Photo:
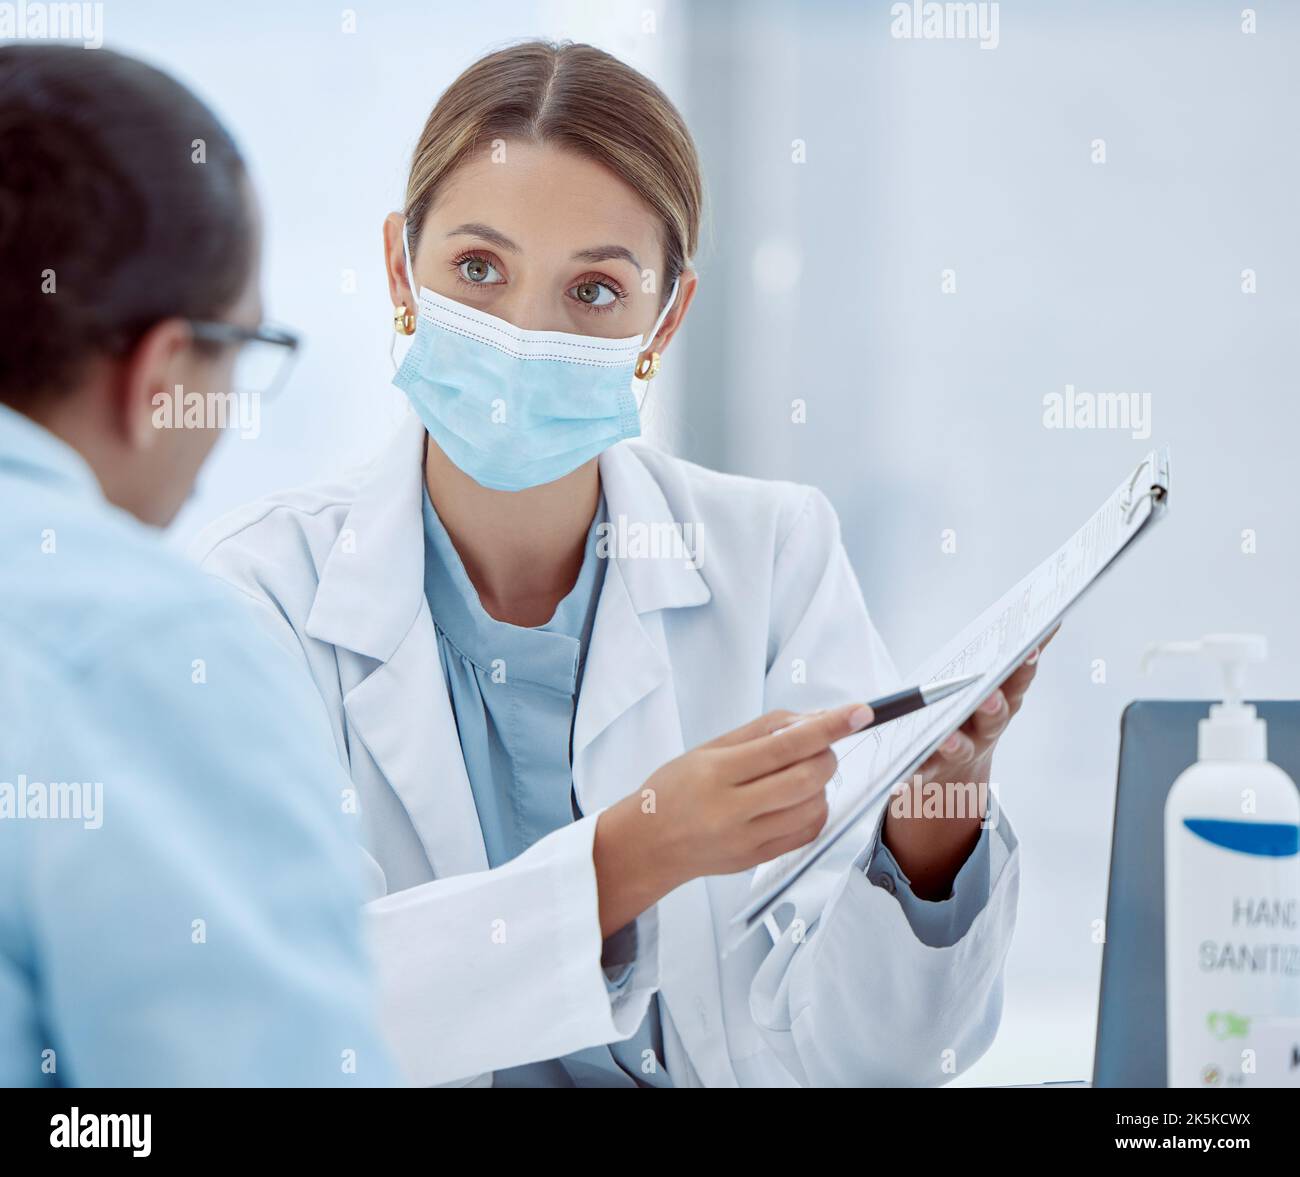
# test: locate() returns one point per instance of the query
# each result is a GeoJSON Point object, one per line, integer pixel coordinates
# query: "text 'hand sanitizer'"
{"type": "Point", "coordinates": [1232, 895]}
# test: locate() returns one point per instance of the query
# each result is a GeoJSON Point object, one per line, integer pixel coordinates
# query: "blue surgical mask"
{"type": "Point", "coordinates": [513, 408]}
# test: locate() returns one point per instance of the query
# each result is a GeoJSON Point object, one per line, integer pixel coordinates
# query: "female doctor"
{"type": "Point", "coordinates": [554, 660]}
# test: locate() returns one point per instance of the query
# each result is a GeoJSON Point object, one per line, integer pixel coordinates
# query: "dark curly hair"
{"type": "Point", "coordinates": [113, 216]}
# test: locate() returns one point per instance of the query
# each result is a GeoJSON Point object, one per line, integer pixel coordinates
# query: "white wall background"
{"type": "Point", "coordinates": [822, 280]}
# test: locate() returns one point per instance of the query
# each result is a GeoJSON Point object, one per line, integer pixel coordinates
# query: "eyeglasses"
{"type": "Point", "coordinates": [266, 354]}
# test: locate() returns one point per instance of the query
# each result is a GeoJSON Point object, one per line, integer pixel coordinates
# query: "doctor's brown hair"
{"type": "Point", "coordinates": [576, 97]}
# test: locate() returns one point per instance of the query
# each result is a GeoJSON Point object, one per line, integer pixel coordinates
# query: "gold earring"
{"type": "Point", "coordinates": [647, 367]}
{"type": "Point", "coordinates": [403, 320]}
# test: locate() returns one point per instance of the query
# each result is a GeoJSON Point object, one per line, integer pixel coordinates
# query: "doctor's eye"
{"type": "Point", "coordinates": [601, 294]}
{"type": "Point", "coordinates": [476, 270]}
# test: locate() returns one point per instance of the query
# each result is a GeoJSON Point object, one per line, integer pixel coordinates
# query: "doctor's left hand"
{"type": "Point", "coordinates": [931, 848]}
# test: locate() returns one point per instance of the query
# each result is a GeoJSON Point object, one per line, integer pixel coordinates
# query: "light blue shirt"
{"type": "Point", "coordinates": [179, 893]}
{"type": "Point", "coordinates": [514, 691]}
{"type": "Point", "coordinates": [939, 923]}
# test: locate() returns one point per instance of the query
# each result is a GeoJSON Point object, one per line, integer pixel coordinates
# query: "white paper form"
{"type": "Point", "coordinates": [992, 646]}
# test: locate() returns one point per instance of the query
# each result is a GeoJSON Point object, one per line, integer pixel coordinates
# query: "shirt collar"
{"type": "Point", "coordinates": [546, 655]}
{"type": "Point", "coordinates": [30, 451]}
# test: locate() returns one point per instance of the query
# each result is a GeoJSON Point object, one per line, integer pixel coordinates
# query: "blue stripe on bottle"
{"type": "Point", "coordinates": [1270, 839]}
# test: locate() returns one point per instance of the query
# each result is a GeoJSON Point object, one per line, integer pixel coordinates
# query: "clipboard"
{"type": "Point", "coordinates": [992, 646]}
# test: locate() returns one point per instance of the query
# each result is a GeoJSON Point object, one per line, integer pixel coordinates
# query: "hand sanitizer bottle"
{"type": "Point", "coordinates": [1232, 891]}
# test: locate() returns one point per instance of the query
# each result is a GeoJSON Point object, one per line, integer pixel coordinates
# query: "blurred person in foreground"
{"type": "Point", "coordinates": [169, 798]}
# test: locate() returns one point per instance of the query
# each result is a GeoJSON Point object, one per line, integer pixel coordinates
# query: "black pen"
{"type": "Point", "coordinates": [902, 703]}
{"type": "Point", "coordinates": [914, 698]}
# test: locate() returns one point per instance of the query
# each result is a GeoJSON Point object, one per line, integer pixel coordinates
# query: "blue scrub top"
{"type": "Point", "coordinates": [514, 691]}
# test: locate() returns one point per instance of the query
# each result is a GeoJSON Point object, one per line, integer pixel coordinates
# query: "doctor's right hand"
{"type": "Point", "coordinates": [744, 798]}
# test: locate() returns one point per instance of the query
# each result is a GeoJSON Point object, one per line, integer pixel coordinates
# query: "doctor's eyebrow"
{"type": "Point", "coordinates": [597, 253]}
{"type": "Point", "coordinates": [475, 229]}
{"type": "Point", "coordinates": [603, 253]}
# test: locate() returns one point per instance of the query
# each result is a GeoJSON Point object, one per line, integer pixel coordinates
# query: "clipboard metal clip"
{"type": "Point", "coordinates": [1156, 492]}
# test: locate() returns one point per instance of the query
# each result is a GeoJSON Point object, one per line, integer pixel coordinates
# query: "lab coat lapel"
{"type": "Point", "coordinates": [628, 660]}
{"type": "Point", "coordinates": [627, 726]}
{"type": "Point", "coordinates": [625, 666]}
{"type": "Point", "coordinates": [371, 600]}
{"type": "Point", "coordinates": [403, 715]}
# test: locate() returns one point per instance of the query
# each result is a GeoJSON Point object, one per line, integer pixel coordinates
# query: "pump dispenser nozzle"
{"type": "Point", "coordinates": [1232, 731]}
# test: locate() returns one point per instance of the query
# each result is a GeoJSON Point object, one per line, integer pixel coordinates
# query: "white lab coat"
{"type": "Point", "coordinates": [482, 969]}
